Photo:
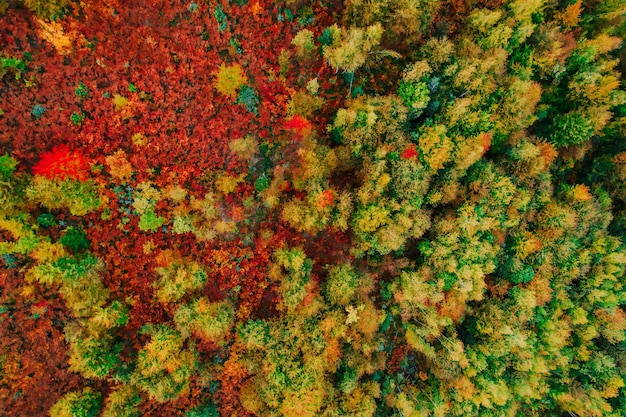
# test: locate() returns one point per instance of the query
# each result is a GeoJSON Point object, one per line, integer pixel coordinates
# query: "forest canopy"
{"type": "Point", "coordinates": [301, 208]}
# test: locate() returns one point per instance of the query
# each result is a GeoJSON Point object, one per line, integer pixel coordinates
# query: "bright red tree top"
{"type": "Point", "coordinates": [62, 163]}
{"type": "Point", "coordinates": [298, 123]}
{"type": "Point", "coordinates": [409, 152]}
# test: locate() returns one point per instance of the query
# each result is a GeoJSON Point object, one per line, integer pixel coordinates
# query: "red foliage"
{"type": "Point", "coordinates": [410, 152]}
{"type": "Point", "coordinates": [35, 372]}
{"type": "Point", "coordinates": [62, 163]}
{"type": "Point", "coordinates": [299, 124]}
{"type": "Point", "coordinates": [185, 129]}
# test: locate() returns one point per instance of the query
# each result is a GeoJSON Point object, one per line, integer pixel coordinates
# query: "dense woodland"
{"type": "Point", "coordinates": [312, 208]}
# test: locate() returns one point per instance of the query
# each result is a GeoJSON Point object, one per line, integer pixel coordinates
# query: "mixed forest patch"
{"type": "Point", "coordinates": [312, 208]}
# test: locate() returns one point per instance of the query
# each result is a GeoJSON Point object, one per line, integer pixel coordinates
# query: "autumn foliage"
{"type": "Point", "coordinates": [62, 163]}
{"type": "Point", "coordinates": [312, 208]}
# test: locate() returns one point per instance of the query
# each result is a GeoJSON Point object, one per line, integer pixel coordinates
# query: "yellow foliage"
{"type": "Point", "coordinates": [303, 403]}
{"type": "Point", "coordinates": [371, 218]}
{"type": "Point", "coordinates": [313, 86]}
{"type": "Point", "coordinates": [178, 277]}
{"type": "Point", "coordinates": [581, 192]}
{"type": "Point", "coordinates": [605, 43]}
{"type": "Point", "coordinates": [304, 104]}
{"type": "Point", "coordinates": [80, 197]}
{"type": "Point", "coordinates": [66, 406]}
{"type": "Point", "coordinates": [207, 206]}
{"type": "Point", "coordinates": [224, 227]}
{"type": "Point", "coordinates": [176, 193]}
{"type": "Point", "coordinates": [227, 184]}
{"type": "Point", "coordinates": [303, 42]}
{"type": "Point", "coordinates": [244, 148]}
{"type": "Point", "coordinates": [416, 71]}
{"type": "Point", "coordinates": [119, 101]}
{"type": "Point", "coordinates": [435, 146]}
{"type": "Point", "coordinates": [48, 252]}
{"type": "Point", "coordinates": [139, 139]}
{"type": "Point", "coordinates": [228, 79]}
{"type": "Point", "coordinates": [211, 321]}
{"type": "Point", "coordinates": [464, 386]}
{"type": "Point", "coordinates": [283, 61]}
{"type": "Point", "coordinates": [351, 47]}
{"type": "Point", "coordinates": [250, 398]}
{"type": "Point", "coordinates": [16, 228]}
{"type": "Point", "coordinates": [121, 402]}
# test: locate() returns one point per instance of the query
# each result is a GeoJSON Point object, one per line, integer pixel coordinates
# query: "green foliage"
{"type": "Point", "coordinates": [38, 111]}
{"type": "Point", "coordinates": [149, 221]}
{"type": "Point", "coordinates": [341, 284]}
{"type": "Point", "coordinates": [205, 410]}
{"type": "Point", "coordinates": [249, 99]}
{"type": "Point", "coordinates": [7, 166]}
{"type": "Point", "coordinates": [74, 239]}
{"type": "Point", "coordinates": [326, 38]}
{"type": "Point", "coordinates": [164, 365]}
{"type": "Point", "coordinates": [220, 17]}
{"type": "Point", "coordinates": [14, 65]}
{"type": "Point", "coordinates": [122, 402]}
{"type": "Point", "coordinates": [77, 119]}
{"type": "Point", "coordinates": [80, 197]}
{"type": "Point", "coordinates": [211, 321]}
{"type": "Point", "coordinates": [293, 269]}
{"type": "Point", "coordinates": [81, 286]}
{"type": "Point", "coordinates": [85, 403]}
{"type": "Point", "coordinates": [414, 95]}
{"type": "Point", "coordinates": [177, 279]}
{"type": "Point", "coordinates": [261, 184]}
{"type": "Point", "coordinates": [570, 129]}
{"type": "Point", "coordinates": [92, 357]}
{"type": "Point", "coordinates": [81, 91]}
{"type": "Point", "coordinates": [255, 334]}
{"type": "Point", "coordinates": [517, 272]}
